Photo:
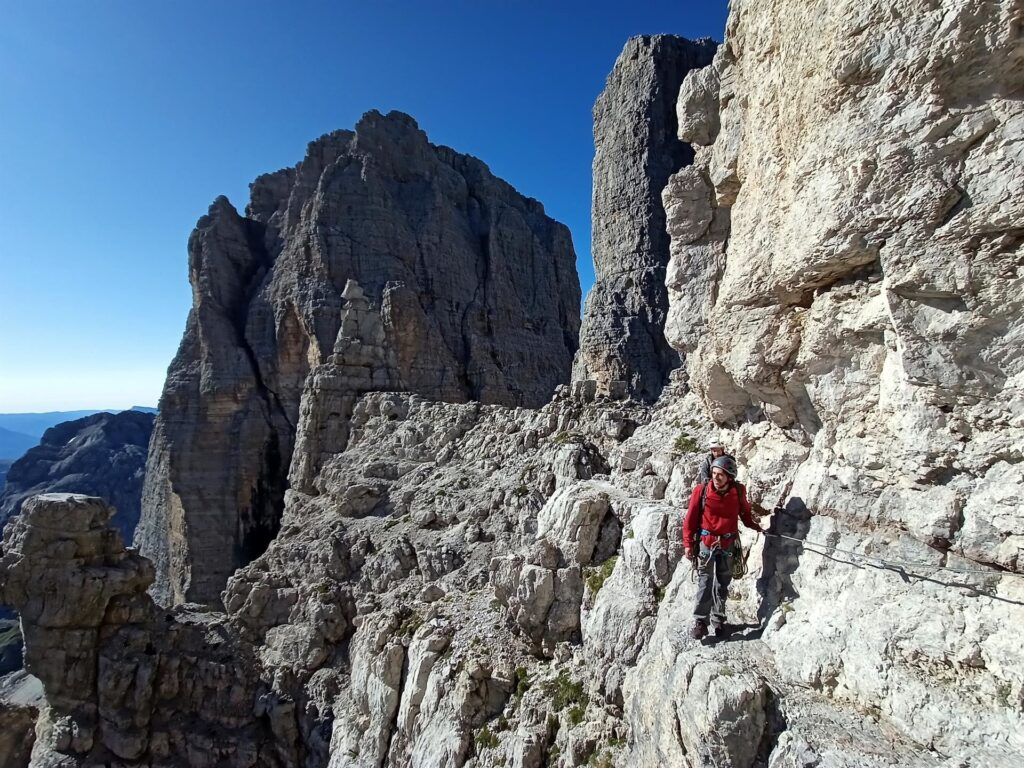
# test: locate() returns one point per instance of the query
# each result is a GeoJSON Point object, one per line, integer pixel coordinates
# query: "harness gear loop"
{"type": "Point", "coordinates": [702, 556]}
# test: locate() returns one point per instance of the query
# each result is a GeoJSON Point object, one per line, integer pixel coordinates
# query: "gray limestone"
{"type": "Point", "coordinates": [464, 584]}
{"type": "Point", "coordinates": [635, 152]}
{"type": "Point", "coordinates": [99, 455]}
{"type": "Point", "coordinates": [462, 289]}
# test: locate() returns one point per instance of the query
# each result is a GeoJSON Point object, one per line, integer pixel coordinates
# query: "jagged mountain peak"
{"type": "Point", "coordinates": [462, 573]}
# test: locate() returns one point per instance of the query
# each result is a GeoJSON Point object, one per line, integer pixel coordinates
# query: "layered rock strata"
{"type": "Point", "coordinates": [482, 586]}
{"type": "Point", "coordinates": [473, 286]}
{"type": "Point", "coordinates": [368, 631]}
{"type": "Point", "coordinates": [124, 682]}
{"type": "Point", "coordinates": [636, 150]}
{"type": "Point", "coordinates": [470, 585]}
{"type": "Point", "coordinates": [857, 219]}
{"type": "Point", "coordinates": [104, 455]}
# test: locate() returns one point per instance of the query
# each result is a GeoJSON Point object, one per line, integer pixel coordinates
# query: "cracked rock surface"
{"type": "Point", "coordinates": [635, 151]}
{"type": "Point", "coordinates": [463, 289]}
{"type": "Point", "coordinates": [468, 582]}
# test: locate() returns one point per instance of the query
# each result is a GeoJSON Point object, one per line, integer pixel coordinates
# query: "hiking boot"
{"type": "Point", "coordinates": [699, 630]}
{"type": "Point", "coordinates": [720, 630]}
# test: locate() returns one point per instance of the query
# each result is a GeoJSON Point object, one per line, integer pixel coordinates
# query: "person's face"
{"type": "Point", "coordinates": [716, 452]}
{"type": "Point", "coordinates": [719, 478]}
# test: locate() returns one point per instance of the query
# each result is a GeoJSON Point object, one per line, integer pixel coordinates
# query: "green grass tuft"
{"type": "Point", "coordinates": [597, 577]}
{"type": "Point", "coordinates": [685, 444]}
{"type": "Point", "coordinates": [566, 692]}
{"type": "Point", "coordinates": [485, 739]}
{"type": "Point", "coordinates": [1003, 691]}
{"type": "Point", "coordinates": [408, 627]}
{"type": "Point", "coordinates": [523, 682]}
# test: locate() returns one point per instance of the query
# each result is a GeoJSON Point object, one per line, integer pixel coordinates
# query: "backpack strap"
{"type": "Point", "coordinates": [740, 490]}
{"type": "Point", "coordinates": [703, 497]}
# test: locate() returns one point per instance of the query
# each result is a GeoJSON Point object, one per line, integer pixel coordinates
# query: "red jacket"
{"type": "Point", "coordinates": [722, 512]}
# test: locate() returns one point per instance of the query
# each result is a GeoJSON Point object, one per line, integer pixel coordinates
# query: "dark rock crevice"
{"type": "Point", "coordinates": [623, 334]}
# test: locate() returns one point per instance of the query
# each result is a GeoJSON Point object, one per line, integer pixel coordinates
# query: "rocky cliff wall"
{"type": "Point", "coordinates": [103, 455]}
{"type": "Point", "coordinates": [477, 298]}
{"type": "Point", "coordinates": [855, 206]}
{"type": "Point", "coordinates": [635, 151]}
{"type": "Point", "coordinates": [484, 586]}
{"type": "Point", "coordinates": [470, 585]}
{"type": "Point", "coordinates": [124, 683]}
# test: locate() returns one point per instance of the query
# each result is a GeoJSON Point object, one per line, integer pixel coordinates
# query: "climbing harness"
{"type": "Point", "coordinates": [738, 557]}
{"type": "Point", "coordinates": [700, 561]}
{"type": "Point", "coordinates": [739, 560]}
{"type": "Point", "coordinates": [733, 545]}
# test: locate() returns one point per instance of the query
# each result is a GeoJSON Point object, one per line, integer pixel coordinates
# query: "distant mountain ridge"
{"type": "Point", "coordinates": [35, 424]}
{"type": "Point", "coordinates": [21, 431]}
{"type": "Point", "coordinates": [13, 443]}
{"type": "Point", "coordinates": [102, 454]}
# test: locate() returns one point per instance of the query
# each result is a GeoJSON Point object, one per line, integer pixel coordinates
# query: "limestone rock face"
{"type": "Point", "coordinates": [99, 455]}
{"type": "Point", "coordinates": [845, 287]}
{"type": "Point", "coordinates": [866, 294]}
{"type": "Point", "coordinates": [118, 675]}
{"type": "Point", "coordinates": [103, 455]}
{"type": "Point", "coordinates": [461, 289]}
{"type": "Point", "coordinates": [472, 585]}
{"type": "Point", "coordinates": [868, 285]}
{"type": "Point", "coordinates": [20, 697]}
{"type": "Point", "coordinates": [636, 150]}
{"type": "Point", "coordinates": [469, 585]}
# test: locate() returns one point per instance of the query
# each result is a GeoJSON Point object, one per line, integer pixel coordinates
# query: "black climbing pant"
{"type": "Point", "coordinates": [714, 574]}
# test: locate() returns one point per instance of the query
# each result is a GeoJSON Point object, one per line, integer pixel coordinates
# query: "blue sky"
{"type": "Point", "coordinates": [122, 121]}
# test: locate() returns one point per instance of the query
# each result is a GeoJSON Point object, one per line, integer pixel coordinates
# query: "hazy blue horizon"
{"type": "Point", "coordinates": [123, 121]}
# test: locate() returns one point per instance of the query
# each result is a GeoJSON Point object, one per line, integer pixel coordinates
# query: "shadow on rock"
{"type": "Point", "coordinates": [782, 558]}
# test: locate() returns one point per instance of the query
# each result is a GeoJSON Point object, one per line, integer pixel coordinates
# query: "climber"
{"type": "Point", "coordinates": [711, 541]}
{"type": "Point", "coordinates": [716, 450]}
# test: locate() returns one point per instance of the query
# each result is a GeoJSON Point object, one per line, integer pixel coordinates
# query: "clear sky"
{"type": "Point", "coordinates": [121, 120]}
